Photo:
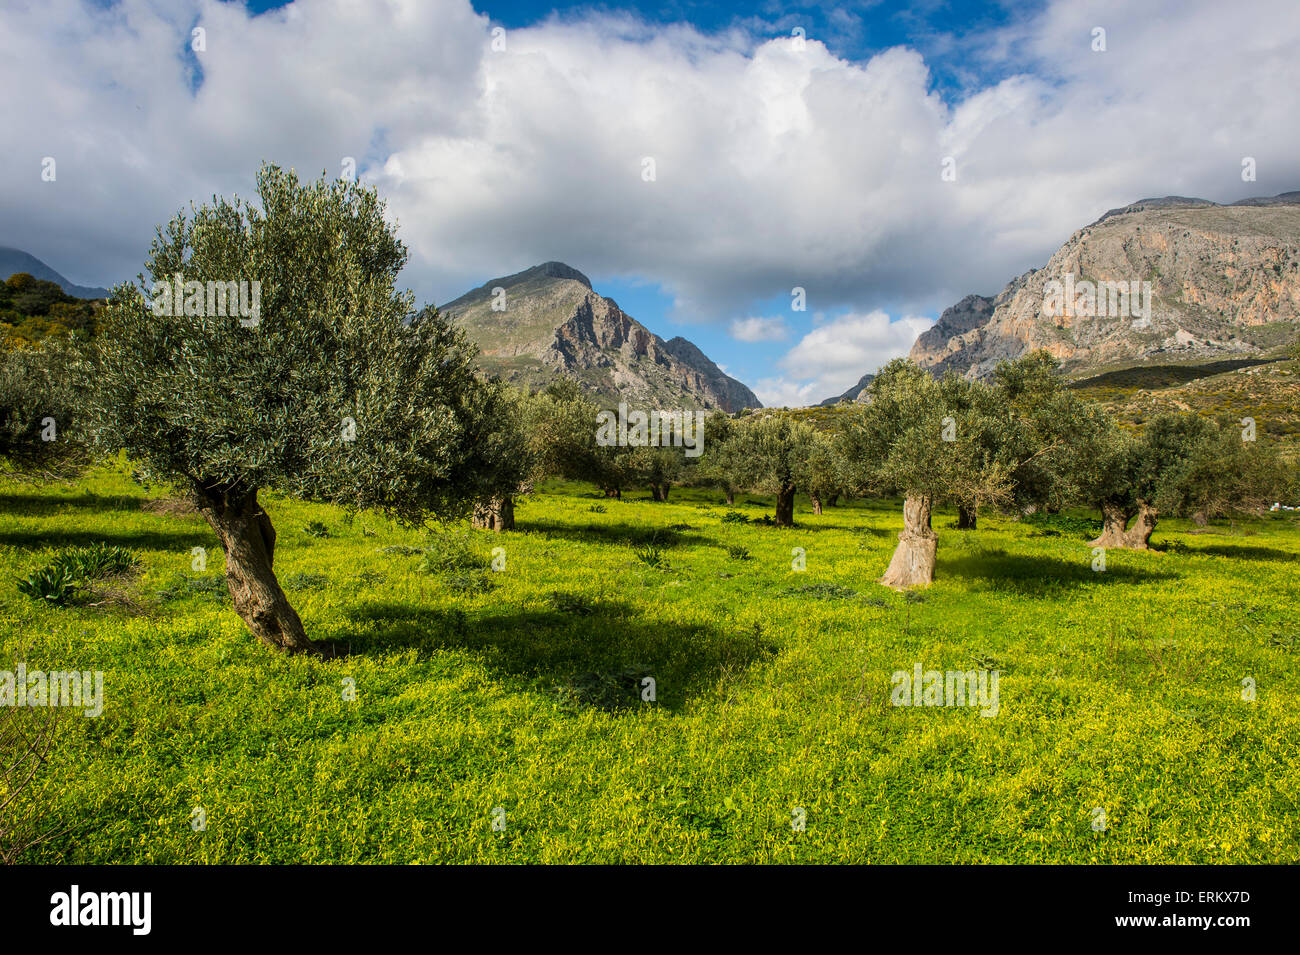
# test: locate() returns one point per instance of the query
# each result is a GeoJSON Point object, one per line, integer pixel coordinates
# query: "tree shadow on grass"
{"type": "Point", "coordinates": [39, 539]}
{"type": "Point", "coordinates": [18, 503]}
{"type": "Point", "coordinates": [622, 533]}
{"type": "Point", "coordinates": [1243, 552]}
{"type": "Point", "coordinates": [595, 659]}
{"type": "Point", "coordinates": [1040, 576]}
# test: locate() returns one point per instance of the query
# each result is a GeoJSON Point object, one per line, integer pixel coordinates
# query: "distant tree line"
{"type": "Point", "coordinates": [33, 310]}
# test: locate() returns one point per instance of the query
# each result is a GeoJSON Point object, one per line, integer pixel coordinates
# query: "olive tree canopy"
{"type": "Point", "coordinates": [314, 380]}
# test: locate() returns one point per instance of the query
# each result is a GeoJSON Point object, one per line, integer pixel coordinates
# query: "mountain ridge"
{"type": "Point", "coordinates": [13, 261]}
{"type": "Point", "coordinates": [1222, 281]}
{"type": "Point", "coordinates": [548, 321]}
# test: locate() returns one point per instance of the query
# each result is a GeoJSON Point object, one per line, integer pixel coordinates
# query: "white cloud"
{"type": "Point", "coordinates": [758, 329]}
{"type": "Point", "coordinates": [774, 168]}
{"type": "Point", "coordinates": [833, 356]}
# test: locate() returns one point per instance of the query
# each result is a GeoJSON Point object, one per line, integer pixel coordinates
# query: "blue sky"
{"type": "Point", "coordinates": [777, 164]}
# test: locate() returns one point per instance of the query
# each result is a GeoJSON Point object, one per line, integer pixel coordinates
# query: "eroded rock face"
{"type": "Point", "coordinates": [1224, 282]}
{"type": "Point", "coordinates": [550, 322]}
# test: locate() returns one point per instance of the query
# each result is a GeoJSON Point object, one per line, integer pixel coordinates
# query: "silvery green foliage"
{"type": "Point", "coordinates": [40, 402]}
{"type": "Point", "coordinates": [770, 453]}
{"type": "Point", "coordinates": [1015, 440]}
{"type": "Point", "coordinates": [332, 396]}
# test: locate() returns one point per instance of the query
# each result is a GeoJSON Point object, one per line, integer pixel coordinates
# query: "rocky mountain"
{"type": "Point", "coordinates": [547, 321]}
{"type": "Point", "coordinates": [13, 261]}
{"type": "Point", "coordinates": [1201, 282]}
{"type": "Point", "coordinates": [853, 394]}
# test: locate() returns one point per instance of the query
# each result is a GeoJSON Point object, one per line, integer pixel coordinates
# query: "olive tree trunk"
{"type": "Point", "coordinates": [913, 562]}
{"type": "Point", "coordinates": [816, 503]}
{"type": "Point", "coordinates": [1138, 536]}
{"type": "Point", "coordinates": [248, 539]}
{"type": "Point", "coordinates": [729, 495]}
{"type": "Point", "coordinates": [832, 500]}
{"type": "Point", "coordinates": [966, 517]}
{"type": "Point", "coordinates": [785, 506]}
{"type": "Point", "coordinates": [1114, 519]}
{"type": "Point", "coordinates": [496, 514]}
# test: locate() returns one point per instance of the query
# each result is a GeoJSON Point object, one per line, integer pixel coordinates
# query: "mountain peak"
{"type": "Point", "coordinates": [530, 278]}
{"type": "Point", "coordinates": [548, 322]}
{"type": "Point", "coordinates": [555, 270]}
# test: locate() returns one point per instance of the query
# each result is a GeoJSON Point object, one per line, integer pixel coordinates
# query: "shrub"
{"type": "Point", "coordinates": [96, 561]}
{"type": "Point", "coordinates": [450, 553]}
{"type": "Point", "coordinates": [75, 567]}
{"type": "Point", "coordinates": [734, 517]}
{"type": "Point", "coordinates": [50, 583]}
{"type": "Point", "coordinates": [316, 529]}
{"type": "Point", "coordinates": [736, 552]}
{"type": "Point", "coordinates": [651, 555]}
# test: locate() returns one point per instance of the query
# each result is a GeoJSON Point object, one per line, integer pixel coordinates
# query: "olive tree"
{"type": "Point", "coordinates": [562, 425]}
{"type": "Point", "coordinates": [1138, 475]}
{"type": "Point", "coordinates": [320, 385]}
{"type": "Point", "coordinates": [1041, 433]}
{"type": "Point", "coordinates": [923, 439]}
{"type": "Point", "coordinates": [657, 467]}
{"type": "Point", "coordinates": [40, 410]}
{"type": "Point", "coordinates": [770, 454]}
{"type": "Point", "coordinates": [825, 471]}
{"type": "Point", "coordinates": [510, 468]}
{"type": "Point", "coordinates": [717, 465]}
{"type": "Point", "coordinates": [1226, 473]}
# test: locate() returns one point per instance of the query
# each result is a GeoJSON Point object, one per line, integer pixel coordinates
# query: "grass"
{"type": "Point", "coordinates": [524, 689]}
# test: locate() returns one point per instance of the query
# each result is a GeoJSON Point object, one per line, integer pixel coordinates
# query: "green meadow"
{"type": "Point", "coordinates": [499, 715]}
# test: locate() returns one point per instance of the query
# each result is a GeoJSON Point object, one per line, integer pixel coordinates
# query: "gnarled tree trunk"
{"type": "Point", "coordinates": [1138, 537]}
{"type": "Point", "coordinates": [1114, 519]}
{"type": "Point", "coordinates": [613, 492]}
{"type": "Point", "coordinates": [247, 537]}
{"type": "Point", "coordinates": [496, 514]}
{"type": "Point", "coordinates": [785, 506]}
{"type": "Point", "coordinates": [832, 499]}
{"type": "Point", "coordinates": [729, 495]}
{"type": "Point", "coordinates": [816, 503]}
{"type": "Point", "coordinates": [966, 517]}
{"type": "Point", "coordinates": [659, 492]}
{"type": "Point", "coordinates": [913, 562]}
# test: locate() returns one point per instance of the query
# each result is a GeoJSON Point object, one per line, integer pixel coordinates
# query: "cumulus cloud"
{"type": "Point", "coordinates": [833, 356]}
{"type": "Point", "coordinates": [758, 329]}
{"type": "Point", "coordinates": [774, 167]}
